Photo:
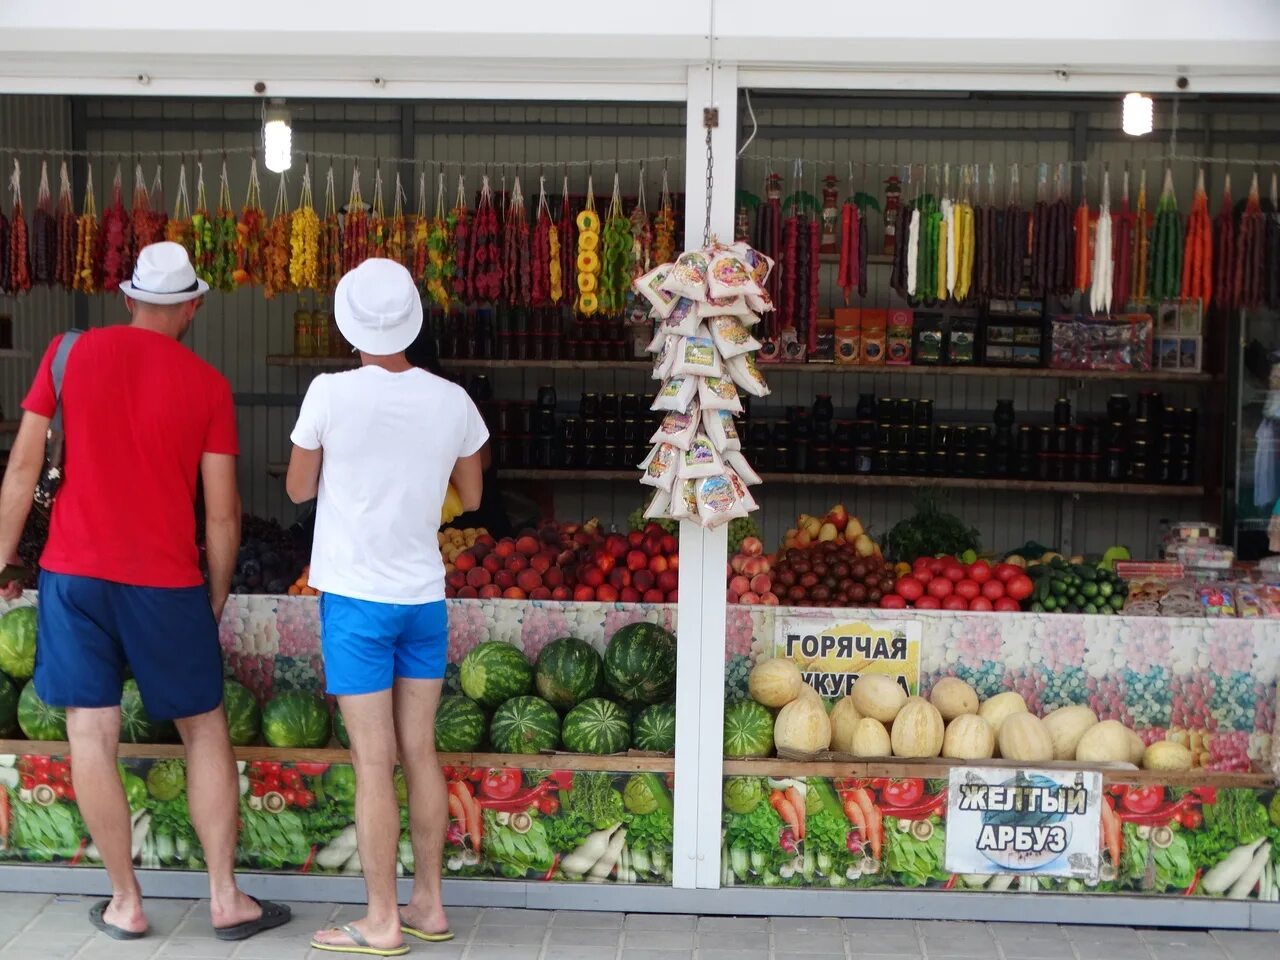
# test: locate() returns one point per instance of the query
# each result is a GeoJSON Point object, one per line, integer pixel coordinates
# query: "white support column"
{"type": "Point", "coordinates": [703, 553]}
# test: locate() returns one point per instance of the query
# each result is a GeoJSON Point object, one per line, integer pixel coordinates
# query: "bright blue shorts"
{"type": "Point", "coordinates": [368, 645]}
{"type": "Point", "coordinates": [91, 631]}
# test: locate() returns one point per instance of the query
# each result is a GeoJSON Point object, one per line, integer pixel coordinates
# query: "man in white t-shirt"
{"type": "Point", "coordinates": [378, 446]}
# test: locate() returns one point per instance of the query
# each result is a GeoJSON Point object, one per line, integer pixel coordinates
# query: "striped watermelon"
{"type": "Point", "coordinates": [655, 728]}
{"type": "Point", "coordinates": [296, 719]}
{"type": "Point", "coordinates": [640, 663]}
{"type": "Point", "coordinates": [38, 720]}
{"type": "Point", "coordinates": [340, 729]}
{"type": "Point", "coordinates": [525, 725]}
{"type": "Point", "coordinates": [135, 725]}
{"type": "Point", "coordinates": [597, 726]}
{"type": "Point", "coordinates": [567, 672]}
{"type": "Point", "coordinates": [748, 730]}
{"type": "Point", "coordinates": [494, 672]}
{"type": "Point", "coordinates": [459, 725]}
{"type": "Point", "coordinates": [244, 716]}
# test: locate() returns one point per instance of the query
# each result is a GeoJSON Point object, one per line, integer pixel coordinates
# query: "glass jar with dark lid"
{"type": "Point", "coordinates": [924, 413]}
{"type": "Point", "coordinates": [1186, 420]}
{"type": "Point", "coordinates": [1003, 415]}
{"type": "Point", "coordinates": [866, 408]}
{"type": "Point", "coordinates": [1026, 439]}
{"type": "Point", "coordinates": [1165, 471]}
{"type": "Point", "coordinates": [884, 409]}
{"type": "Point", "coordinates": [863, 460]}
{"type": "Point", "coordinates": [779, 433]}
{"type": "Point", "coordinates": [479, 388]}
{"type": "Point", "coordinates": [820, 460]}
{"type": "Point", "coordinates": [546, 397]}
{"type": "Point", "coordinates": [899, 436]}
{"type": "Point", "coordinates": [843, 459]}
{"type": "Point", "coordinates": [900, 463]}
{"type": "Point", "coordinates": [958, 463]}
{"type": "Point", "coordinates": [610, 406]}
{"type": "Point", "coordinates": [1061, 412]}
{"type": "Point", "coordinates": [1115, 469]}
{"type": "Point", "coordinates": [1138, 471]}
{"type": "Point", "coordinates": [866, 432]}
{"type": "Point", "coordinates": [589, 406]}
{"type": "Point", "coordinates": [980, 464]}
{"type": "Point", "coordinates": [980, 438]}
{"type": "Point", "coordinates": [1117, 407]}
{"type": "Point", "coordinates": [904, 410]}
{"type": "Point", "coordinates": [610, 431]}
{"type": "Point", "coordinates": [921, 436]}
{"type": "Point", "coordinates": [823, 408]}
{"type": "Point", "coordinates": [1062, 439]}
{"type": "Point", "coordinates": [959, 438]}
{"type": "Point", "coordinates": [880, 462]}
{"type": "Point", "coordinates": [630, 406]}
{"type": "Point", "coordinates": [1182, 471]}
{"type": "Point", "coordinates": [782, 458]}
{"type": "Point", "coordinates": [943, 437]}
{"type": "Point", "coordinates": [1045, 440]}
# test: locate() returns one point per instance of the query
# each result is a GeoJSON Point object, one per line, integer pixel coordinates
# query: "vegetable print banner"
{"type": "Point", "coordinates": [300, 818]}
{"type": "Point", "coordinates": [839, 833]}
{"type": "Point", "coordinates": [832, 654]}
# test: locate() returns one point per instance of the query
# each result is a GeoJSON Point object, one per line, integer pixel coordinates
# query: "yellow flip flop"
{"type": "Point", "coordinates": [359, 945]}
{"type": "Point", "coordinates": [426, 937]}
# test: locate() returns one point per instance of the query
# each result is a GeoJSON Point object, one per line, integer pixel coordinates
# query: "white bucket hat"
{"type": "Point", "coordinates": [163, 274]}
{"type": "Point", "coordinates": [377, 308]}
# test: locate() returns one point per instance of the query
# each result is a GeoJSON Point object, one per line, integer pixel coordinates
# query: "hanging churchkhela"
{"type": "Point", "coordinates": [65, 266]}
{"type": "Point", "coordinates": [1122, 245]}
{"type": "Point", "coordinates": [44, 230]}
{"type": "Point", "coordinates": [251, 234]}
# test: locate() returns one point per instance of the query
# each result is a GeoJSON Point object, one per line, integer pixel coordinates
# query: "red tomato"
{"type": "Point", "coordinates": [954, 602]}
{"type": "Point", "coordinates": [1004, 572]}
{"type": "Point", "coordinates": [903, 793]}
{"type": "Point", "coordinates": [1019, 587]}
{"type": "Point", "coordinates": [981, 603]}
{"type": "Point", "coordinates": [993, 590]}
{"type": "Point", "coordinates": [500, 784]}
{"type": "Point", "coordinates": [980, 571]}
{"type": "Point", "coordinates": [928, 602]}
{"type": "Point", "coordinates": [935, 567]}
{"type": "Point", "coordinates": [892, 601]}
{"type": "Point", "coordinates": [1008, 605]}
{"type": "Point", "coordinates": [947, 558]}
{"type": "Point", "coordinates": [940, 587]}
{"type": "Point", "coordinates": [953, 572]}
{"type": "Point", "coordinates": [924, 576]}
{"type": "Point", "coordinates": [1191, 819]}
{"type": "Point", "coordinates": [921, 563]}
{"type": "Point", "coordinates": [968, 589]}
{"type": "Point", "coordinates": [909, 588]}
{"type": "Point", "coordinates": [1143, 799]}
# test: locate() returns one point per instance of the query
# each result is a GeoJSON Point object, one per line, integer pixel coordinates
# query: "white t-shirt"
{"type": "Point", "coordinates": [390, 443]}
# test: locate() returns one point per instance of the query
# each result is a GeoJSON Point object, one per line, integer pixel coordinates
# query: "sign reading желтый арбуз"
{"type": "Point", "coordinates": [832, 654]}
{"type": "Point", "coordinates": [1009, 820]}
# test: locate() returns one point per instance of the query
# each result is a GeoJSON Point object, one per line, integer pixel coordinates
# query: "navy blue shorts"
{"type": "Point", "coordinates": [91, 630]}
{"type": "Point", "coordinates": [368, 645]}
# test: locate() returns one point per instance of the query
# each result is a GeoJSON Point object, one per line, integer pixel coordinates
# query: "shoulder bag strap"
{"type": "Point", "coordinates": [59, 369]}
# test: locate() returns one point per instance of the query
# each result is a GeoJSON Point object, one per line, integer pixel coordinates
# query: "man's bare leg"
{"type": "Point", "coordinates": [371, 727]}
{"type": "Point", "coordinates": [213, 794]}
{"type": "Point", "coordinates": [415, 710]}
{"type": "Point", "coordinates": [94, 733]}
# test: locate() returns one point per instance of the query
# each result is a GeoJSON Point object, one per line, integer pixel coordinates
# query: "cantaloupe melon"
{"type": "Point", "coordinates": [1066, 726]}
{"type": "Point", "coordinates": [802, 726]}
{"type": "Point", "coordinates": [953, 697]}
{"type": "Point", "coordinates": [1024, 738]}
{"type": "Point", "coordinates": [844, 720]}
{"type": "Point", "coordinates": [1105, 742]}
{"type": "Point", "coordinates": [870, 739]}
{"type": "Point", "coordinates": [878, 696]}
{"type": "Point", "coordinates": [918, 729]}
{"type": "Point", "coordinates": [968, 737]}
{"type": "Point", "coordinates": [775, 682]}
{"type": "Point", "coordinates": [1002, 705]}
{"type": "Point", "coordinates": [1167, 755]}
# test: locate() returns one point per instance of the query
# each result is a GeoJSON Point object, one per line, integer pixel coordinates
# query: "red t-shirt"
{"type": "Point", "coordinates": [138, 410]}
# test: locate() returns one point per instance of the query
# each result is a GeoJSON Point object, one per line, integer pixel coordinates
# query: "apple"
{"type": "Point", "coordinates": [637, 560]}
{"type": "Point", "coordinates": [838, 517]}
{"type": "Point", "coordinates": [752, 546]}
{"type": "Point", "coordinates": [583, 593]}
{"type": "Point", "coordinates": [561, 593]}
{"type": "Point", "coordinates": [661, 564]}
{"type": "Point", "coordinates": [593, 577]}
{"type": "Point", "coordinates": [653, 596]}
{"type": "Point", "coordinates": [607, 593]}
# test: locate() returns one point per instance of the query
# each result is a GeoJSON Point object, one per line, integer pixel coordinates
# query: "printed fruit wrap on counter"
{"type": "Point", "coordinates": [704, 306]}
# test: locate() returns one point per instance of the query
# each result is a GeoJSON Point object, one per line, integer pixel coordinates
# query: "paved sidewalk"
{"type": "Point", "coordinates": [39, 927]}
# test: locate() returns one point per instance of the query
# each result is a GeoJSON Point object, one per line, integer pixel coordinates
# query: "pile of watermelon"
{"type": "Point", "coordinates": [570, 698]}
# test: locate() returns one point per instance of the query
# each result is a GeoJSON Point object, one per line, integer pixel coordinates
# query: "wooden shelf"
{"type": "Point", "coordinates": [866, 480]}
{"type": "Point", "coordinates": [617, 763]}
{"type": "Point", "coordinates": [998, 373]}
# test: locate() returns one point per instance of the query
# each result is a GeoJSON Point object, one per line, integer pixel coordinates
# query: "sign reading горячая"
{"type": "Point", "coordinates": [832, 655]}
{"type": "Point", "coordinates": [1008, 820]}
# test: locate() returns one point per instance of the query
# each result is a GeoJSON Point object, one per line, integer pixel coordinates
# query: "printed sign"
{"type": "Point", "coordinates": [833, 654]}
{"type": "Point", "coordinates": [1043, 822]}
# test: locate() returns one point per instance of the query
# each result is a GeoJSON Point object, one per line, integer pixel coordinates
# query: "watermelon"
{"type": "Point", "coordinates": [8, 707]}
{"type": "Point", "coordinates": [296, 719]}
{"type": "Point", "coordinates": [655, 728]}
{"type": "Point", "coordinates": [244, 716]}
{"type": "Point", "coordinates": [748, 730]}
{"type": "Point", "coordinates": [38, 720]}
{"type": "Point", "coordinates": [459, 725]}
{"type": "Point", "coordinates": [567, 672]}
{"type": "Point", "coordinates": [18, 643]}
{"type": "Point", "coordinates": [340, 729]}
{"type": "Point", "coordinates": [525, 725]}
{"type": "Point", "coordinates": [494, 672]}
{"type": "Point", "coordinates": [597, 725]}
{"type": "Point", "coordinates": [135, 725]}
{"type": "Point", "coordinates": [640, 663]}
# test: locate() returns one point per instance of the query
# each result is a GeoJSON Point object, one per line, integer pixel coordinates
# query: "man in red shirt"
{"type": "Point", "coordinates": [145, 419]}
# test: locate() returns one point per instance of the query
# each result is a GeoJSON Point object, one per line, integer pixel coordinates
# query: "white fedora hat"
{"type": "Point", "coordinates": [377, 308]}
{"type": "Point", "coordinates": [163, 274]}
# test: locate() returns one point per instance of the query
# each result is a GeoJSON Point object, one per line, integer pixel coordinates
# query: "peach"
{"type": "Point", "coordinates": [653, 596]}
{"type": "Point", "coordinates": [669, 544]}
{"type": "Point", "coordinates": [514, 593]}
{"type": "Point", "coordinates": [749, 598]}
{"type": "Point", "coordinates": [505, 548]}
{"type": "Point", "coordinates": [752, 546]}
{"type": "Point", "coordinates": [619, 577]}
{"type": "Point", "coordinates": [630, 595]}
{"type": "Point", "coordinates": [668, 581]}
{"type": "Point", "coordinates": [592, 577]}
{"type": "Point", "coordinates": [582, 593]}
{"type": "Point", "coordinates": [738, 563]}
{"type": "Point", "coordinates": [635, 538]}
{"type": "Point", "coordinates": [740, 585]}
{"type": "Point", "coordinates": [477, 577]}
{"type": "Point", "coordinates": [465, 561]}
{"type": "Point", "coordinates": [504, 579]}
{"type": "Point", "coordinates": [541, 561]}
{"type": "Point", "coordinates": [561, 593]}
{"type": "Point", "coordinates": [527, 545]}
{"type": "Point", "coordinates": [607, 593]}
{"type": "Point", "coordinates": [529, 581]}
{"type": "Point", "coordinates": [658, 564]}
{"type": "Point", "coordinates": [467, 593]}
{"type": "Point", "coordinates": [637, 560]}
{"type": "Point", "coordinates": [761, 584]}
{"type": "Point", "coordinates": [492, 562]}
{"type": "Point", "coordinates": [616, 546]}
{"type": "Point", "coordinates": [769, 600]}
{"type": "Point", "coordinates": [553, 577]}
{"type": "Point", "coordinates": [643, 580]}
{"type": "Point", "coordinates": [517, 562]}
{"type": "Point", "coordinates": [456, 579]}
{"type": "Point", "coordinates": [539, 593]}
{"type": "Point", "coordinates": [490, 591]}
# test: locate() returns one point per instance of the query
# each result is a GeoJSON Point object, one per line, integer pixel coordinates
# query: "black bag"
{"type": "Point", "coordinates": [51, 476]}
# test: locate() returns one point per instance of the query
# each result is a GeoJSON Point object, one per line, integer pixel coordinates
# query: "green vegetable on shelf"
{"type": "Point", "coordinates": [930, 532]}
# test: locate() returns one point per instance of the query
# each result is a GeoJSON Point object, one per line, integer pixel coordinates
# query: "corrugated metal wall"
{"type": "Point", "coordinates": [237, 331]}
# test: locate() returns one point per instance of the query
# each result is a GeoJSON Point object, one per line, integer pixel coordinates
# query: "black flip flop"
{"type": "Point", "coordinates": [110, 929]}
{"type": "Point", "coordinates": [273, 915]}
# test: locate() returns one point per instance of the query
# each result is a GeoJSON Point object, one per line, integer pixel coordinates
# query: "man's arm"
{"type": "Point", "coordinates": [26, 461]}
{"type": "Point", "coordinates": [302, 482]}
{"type": "Point", "coordinates": [468, 479]}
{"type": "Point", "coordinates": [221, 525]}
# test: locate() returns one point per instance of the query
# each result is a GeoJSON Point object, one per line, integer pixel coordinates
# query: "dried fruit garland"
{"type": "Point", "coordinates": [19, 240]}
{"type": "Point", "coordinates": [44, 229]}
{"type": "Point", "coordinates": [615, 270]}
{"type": "Point", "coordinates": [87, 277]}
{"type": "Point", "coordinates": [148, 221]}
{"type": "Point", "coordinates": [355, 229]}
{"type": "Point", "coordinates": [224, 238]}
{"type": "Point", "coordinates": [65, 257]}
{"type": "Point", "coordinates": [439, 250]}
{"type": "Point", "coordinates": [4, 253]}
{"type": "Point", "coordinates": [117, 239]}
{"type": "Point", "coordinates": [329, 268]}
{"type": "Point", "coordinates": [377, 220]}
{"type": "Point", "coordinates": [542, 264]}
{"type": "Point", "coordinates": [517, 270]}
{"type": "Point", "coordinates": [202, 235]}
{"type": "Point", "coordinates": [588, 260]}
{"type": "Point", "coordinates": [304, 240]}
{"type": "Point", "coordinates": [1166, 245]}
{"type": "Point", "coordinates": [251, 234]}
{"type": "Point", "coordinates": [1197, 262]}
{"type": "Point", "coordinates": [641, 235]}
{"type": "Point", "coordinates": [1141, 244]}
{"type": "Point", "coordinates": [399, 247]}
{"type": "Point", "coordinates": [486, 254]}
{"type": "Point", "coordinates": [179, 229]}
{"type": "Point", "coordinates": [276, 269]}
{"type": "Point", "coordinates": [463, 269]}
{"type": "Point", "coordinates": [564, 281]}
{"type": "Point", "coordinates": [664, 227]}
{"type": "Point", "coordinates": [1250, 252]}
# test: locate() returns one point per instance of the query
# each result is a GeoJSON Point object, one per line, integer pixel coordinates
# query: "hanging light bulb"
{"type": "Point", "coordinates": [277, 137]}
{"type": "Point", "coordinates": [1138, 114]}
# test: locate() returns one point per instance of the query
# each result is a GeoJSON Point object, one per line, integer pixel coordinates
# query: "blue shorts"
{"type": "Point", "coordinates": [368, 645]}
{"type": "Point", "coordinates": [90, 631]}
